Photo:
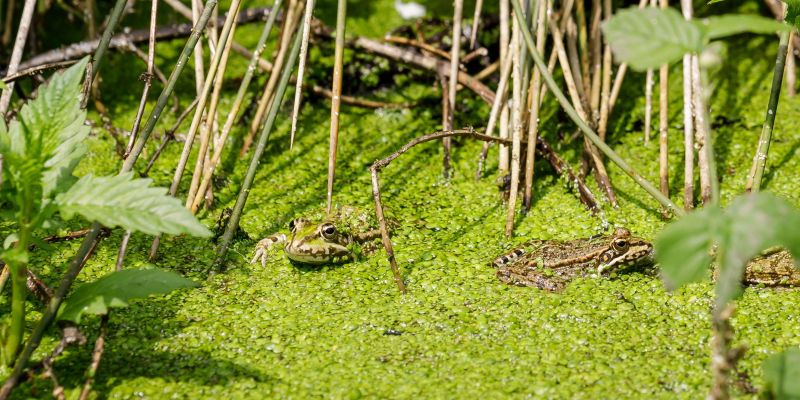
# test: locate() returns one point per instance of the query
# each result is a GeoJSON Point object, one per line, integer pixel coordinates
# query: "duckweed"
{"type": "Point", "coordinates": [344, 331]}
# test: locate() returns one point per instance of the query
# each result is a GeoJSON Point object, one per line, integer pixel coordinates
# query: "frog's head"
{"type": "Point", "coordinates": [623, 250]}
{"type": "Point", "coordinates": [318, 242]}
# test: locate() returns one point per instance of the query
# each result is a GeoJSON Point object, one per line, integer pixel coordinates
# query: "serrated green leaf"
{"type": "Point", "coordinates": [42, 146]}
{"type": "Point", "coordinates": [682, 248]}
{"type": "Point", "coordinates": [132, 204]}
{"type": "Point", "coordinates": [732, 24]}
{"type": "Point", "coordinates": [646, 38]}
{"type": "Point", "coordinates": [780, 373]}
{"type": "Point", "coordinates": [116, 289]}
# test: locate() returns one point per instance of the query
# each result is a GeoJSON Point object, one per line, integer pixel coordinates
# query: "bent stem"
{"type": "Point", "coordinates": [376, 191]}
{"type": "Point", "coordinates": [19, 290]}
{"type": "Point", "coordinates": [760, 159]}
{"type": "Point", "coordinates": [611, 154]}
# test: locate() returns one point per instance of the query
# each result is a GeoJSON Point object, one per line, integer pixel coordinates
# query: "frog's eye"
{"type": "Point", "coordinates": [328, 230]}
{"type": "Point", "coordinates": [620, 244]}
{"type": "Point", "coordinates": [291, 225]}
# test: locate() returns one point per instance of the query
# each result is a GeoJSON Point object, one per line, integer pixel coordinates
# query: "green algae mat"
{"type": "Point", "coordinates": [287, 331]}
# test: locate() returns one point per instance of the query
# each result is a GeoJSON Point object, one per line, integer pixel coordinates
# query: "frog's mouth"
{"type": "Point", "coordinates": [330, 254]}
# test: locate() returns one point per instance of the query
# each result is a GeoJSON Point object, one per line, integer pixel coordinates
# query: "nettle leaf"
{"type": "Point", "coordinates": [646, 38]}
{"type": "Point", "coordinates": [56, 108]}
{"type": "Point", "coordinates": [683, 247]}
{"type": "Point", "coordinates": [726, 25]}
{"type": "Point", "coordinates": [42, 146]}
{"type": "Point", "coordinates": [129, 203]}
{"type": "Point", "coordinates": [755, 222]}
{"type": "Point", "coordinates": [116, 289]}
{"type": "Point", "coordinates": [780, 373]}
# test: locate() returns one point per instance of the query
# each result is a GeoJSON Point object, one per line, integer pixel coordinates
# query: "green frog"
{"type": "Point", "coordinates": [320, 238]}
{"type": "Point", "coordinates": [552, 264]}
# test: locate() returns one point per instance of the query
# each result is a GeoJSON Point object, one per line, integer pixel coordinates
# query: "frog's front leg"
{"type": "Point", "coordinates": [264, 245]}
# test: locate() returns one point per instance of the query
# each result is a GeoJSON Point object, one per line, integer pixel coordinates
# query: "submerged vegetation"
{"type": "Point", "coordinates": [453, 329]}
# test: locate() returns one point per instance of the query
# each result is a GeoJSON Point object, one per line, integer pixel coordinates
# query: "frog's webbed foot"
{"type": "Point", "coordinates": [263, 246]}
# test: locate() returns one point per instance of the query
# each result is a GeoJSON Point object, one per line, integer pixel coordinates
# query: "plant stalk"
{"type": "Point", "coordinates": [237, 103]}
{"type": "Point", "coordinates": [16, 53]}
{"type": "Point", "coordinates": [760, 159]}
{"type": "Point", "coordinates": [336, 89]}
{"type": "Point", "coordinates": [19, 291]}
{"type": "Point", "coordinates": [233, 223]}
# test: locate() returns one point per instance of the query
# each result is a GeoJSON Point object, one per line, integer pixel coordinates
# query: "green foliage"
{"type": "Point", "coordinates": [793, 13]}
{"type": "Point", "coordinates": [3, 85]}
{"type": "Point", "coordinates": [683, 247]}
{"type": "Point", "coordinates": [649, 37]}
{"type": "Point", "coordinates": [646, 38]}
{"type": "Point", "coordinates": [781, 372]}
{"type": "Point", "coordinates": [129, 203]}
{"type": "Point", "coordinates": [751, 224]}
{"type": "Point", "coordinates": [721, 26]}
{"type": "Point", "coordinates": [116, 289]}
{"type": "Point", "coordinates": [41, 149]}
{"type": "Point", "coordinates": [42, 146]}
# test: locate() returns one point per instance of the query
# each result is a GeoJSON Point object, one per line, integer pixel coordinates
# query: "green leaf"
{"type": "Point", "coordinates": [116, 289]}
{"type": "Point", "coordinates": [682, 248]}
{"type": "Point", "coordinates": [131, 204]}
{"type": "Point", "coordinates": [42, 146]}
{"type": "Point", "coordinates": [780, 373]}
{"type": "Point", "coordinates": [732, 24]}
{"type": "Point", "coordinates": [793, 13]}
{"type": "Point", "coordinates": [646, 38]}
{"type": "Point", "coordinates": [3, 85]}
{"type": "Point", "coordinates": [756, 222]}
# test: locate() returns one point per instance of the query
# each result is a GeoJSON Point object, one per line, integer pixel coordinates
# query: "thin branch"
{"type": "Point", "coordinates": [688, 120]}
{"type": "Point", "coordinates": [168, 136]}
{"type": "Point", "coordinates": [791, 70]}
{"type": "Point", "coordinates": [498, 104]}
{"type": "Point", "coordinates": [455, 54]}
{"type": "Point", "coordinates": [533, 118]}
{"type": "Point", "coordinates": [77, 50]}
{"type": "Point", "coordinates": [516, 125]}
{"type": "Point", "coordinates": [760, 158]}
{"type": "Point", "coordinates": [292, 17]}
{"type": "Point", "coordinates": [338, 61]}
{"type": "Point", "coordinates": [301, 68]}
{"type": "Point", "coordinates": [97, 354]}
{"type": "Point", "coordinates": [244, 192]}
{"type": "Point", "coordinates": [565, 104]}
{"type": "Point", "coordinates": [663, 124]}
{"type": "Point", "coordinates": [16, 53]}
{"type": "Point", "coordinates": [237, 103]}
{"type": "Point", "coordinates": [111, 25]}
{"type": "Point", "coordinates": [476, 19]}
{"type": "Point", "coordinates": [418, 44]}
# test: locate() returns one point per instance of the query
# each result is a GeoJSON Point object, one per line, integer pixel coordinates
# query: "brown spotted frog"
{"type": "Point", "coordinates": [552, 264]}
